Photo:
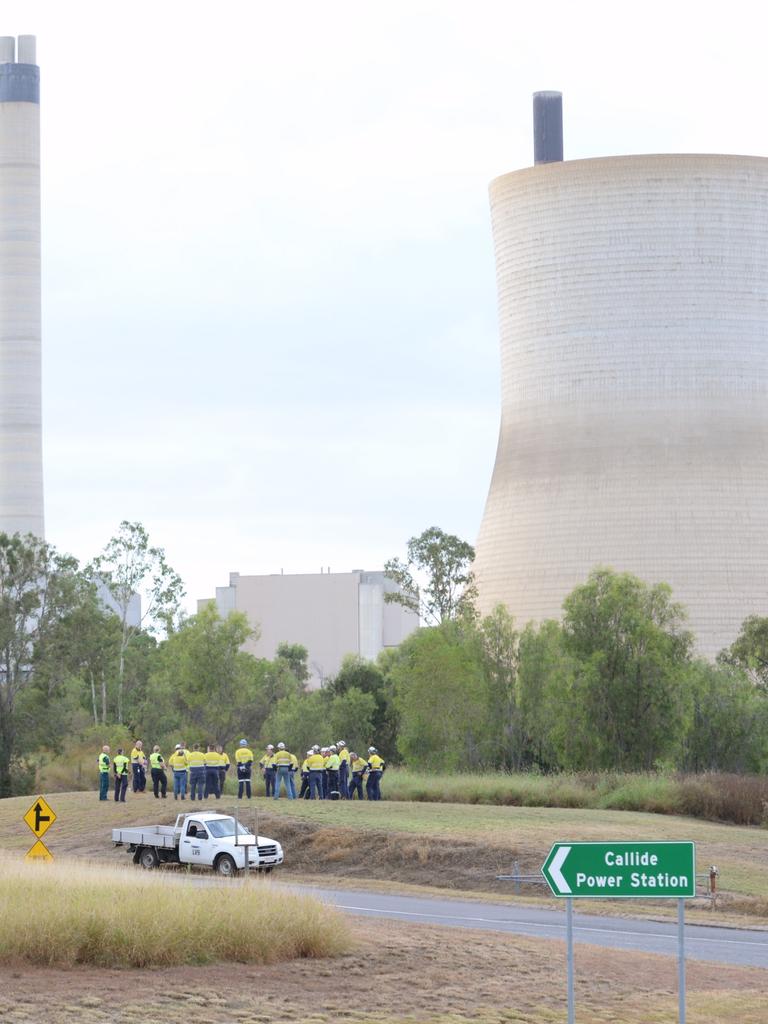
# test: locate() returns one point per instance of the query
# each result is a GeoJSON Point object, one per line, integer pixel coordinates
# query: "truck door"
{"type": "Point", "coordinates": [196, 844]}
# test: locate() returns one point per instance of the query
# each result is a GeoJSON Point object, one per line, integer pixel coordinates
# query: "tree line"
{"type": "Point", "coordinates": [613, 685]}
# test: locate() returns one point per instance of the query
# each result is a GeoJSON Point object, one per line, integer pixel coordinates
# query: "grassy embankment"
{"type": "Point", "coordinates": [447, 846]}
{"type": "Point", "coordinates": [64, 914]}
{"type": "Point", "coordinates": [714, 796]}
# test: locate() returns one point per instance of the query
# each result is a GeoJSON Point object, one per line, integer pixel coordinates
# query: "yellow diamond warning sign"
{"type": "Point", "coordinates": [39, 817]}
{"type": "Point", "coordinates": [39, 852]}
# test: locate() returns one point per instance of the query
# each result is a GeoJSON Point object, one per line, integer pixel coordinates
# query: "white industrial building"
{"type": "Point", "coordinates": [633, 313]}
{"type": "Point", "coordinates": [331, 614]}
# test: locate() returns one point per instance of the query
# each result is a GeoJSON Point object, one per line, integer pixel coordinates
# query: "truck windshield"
{"type": "Point", "coordinates": [223, 827]}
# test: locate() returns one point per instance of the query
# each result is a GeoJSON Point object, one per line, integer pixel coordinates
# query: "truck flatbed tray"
{"type": "Point", "coordinates": [164, 836]}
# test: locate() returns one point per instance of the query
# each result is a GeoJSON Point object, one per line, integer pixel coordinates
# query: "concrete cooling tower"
{"type": "Point", "coordinates": [633, 311]}
{"type": "Point", "coordinates": [21, 460]}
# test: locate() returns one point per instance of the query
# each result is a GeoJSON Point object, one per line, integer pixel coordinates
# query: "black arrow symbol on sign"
{"type": "Point", "coordinates": [39, 816]}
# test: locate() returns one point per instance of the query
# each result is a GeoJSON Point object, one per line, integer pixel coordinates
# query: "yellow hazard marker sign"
{"type": "Point", "coordinates": [39, 852]}
{"type": "Point", "coordinates": [40, 817]}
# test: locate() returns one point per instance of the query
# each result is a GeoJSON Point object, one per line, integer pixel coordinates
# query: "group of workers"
{"type": "Point", "coordinates": [327, 773]}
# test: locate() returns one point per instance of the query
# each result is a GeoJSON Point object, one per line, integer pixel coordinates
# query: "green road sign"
{"type": "Point", "coordinates": [633, 870]}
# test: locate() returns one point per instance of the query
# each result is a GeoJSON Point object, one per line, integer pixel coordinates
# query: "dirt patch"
{"type": "Point", "coordinates": [397, 972]}
{"type": "Point", "coordinates": [444, 862]}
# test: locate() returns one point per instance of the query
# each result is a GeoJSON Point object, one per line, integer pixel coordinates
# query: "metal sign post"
{"type": "Point", "coordinates": [569, 945]}
{"type": "Point", "coordinates": [681, 960]}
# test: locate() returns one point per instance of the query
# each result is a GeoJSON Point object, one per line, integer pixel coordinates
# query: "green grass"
{"type": "Point", "coordinates": [64, 914]}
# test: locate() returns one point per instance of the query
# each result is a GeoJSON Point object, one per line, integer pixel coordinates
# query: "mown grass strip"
{"type": "Point", "coordinates": [64, 914]}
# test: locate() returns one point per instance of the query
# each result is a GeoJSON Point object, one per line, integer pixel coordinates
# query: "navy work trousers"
{"type": "Point", "coordinates": [159, 782]}
{"type": "Point", "coordinates": [196, 783]}
{"type": "Point", "coordinates": [316, 784]}
{"type": "Point", "coordinates": [211, 783]}
{"type": "Point", "coordinates": [372, 786]}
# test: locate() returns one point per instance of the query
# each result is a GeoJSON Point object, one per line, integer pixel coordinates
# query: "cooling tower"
{"type": "Point", "coordinates": [633, 312]}
{"type": "Point", "coordinates": [21, 462]}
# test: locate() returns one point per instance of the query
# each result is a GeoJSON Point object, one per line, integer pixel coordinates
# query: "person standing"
{"type": "Point", "coordinates": [316, 767]}
{"type": "Point", "coordinates": [223, 767]}
{"type": "Point", "coordinates": [332, 770]}
{"type": "Point", "coordinates": [326, 753]}
{"type": "Point", "coordinates": [376, 768]}
{"type": "Point", "coordinates": [292, 775]}
{"type": "Point", "coordinates": [358, 767]}
{"type": "Point", "coordinates": [196, 762]}
{"type": "Point", "coordinates": [157, 769]}
{"type": "Point", "coordinates": [244, 760]}
{"type": "Point", "coordinates": [343, 769]}
{"type": "Point", "coordinates": [178, 763]}
{"type": "Point", "coordinates": [283, 767]}
{"type": "Point", "coordinates": [139, 766]}
{"type": "Point", "coordinates": [304, 791]}
{"type": "Point", "coordinates": [105, 763]}
{"type": "Point", "coordinates": [120, 766]}
{"type": "Point", "coordinates": [268, 770]}
{"type": "Point", "coordinates": [212, 766]}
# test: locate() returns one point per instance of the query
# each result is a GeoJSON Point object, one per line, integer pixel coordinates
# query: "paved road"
{"type": "Point", "coordinates": [702, 942]}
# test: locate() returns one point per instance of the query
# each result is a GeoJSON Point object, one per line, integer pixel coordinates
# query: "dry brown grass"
{"type": "Point", "coordinates": [396, 973]}
{"type": "Point", "coordinates": [67, 913]}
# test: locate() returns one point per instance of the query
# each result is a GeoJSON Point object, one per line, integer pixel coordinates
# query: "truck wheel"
{"type": "Point", "coordinates": [225, 866]}
{"type": "Point", "coordinates": [148, 858]}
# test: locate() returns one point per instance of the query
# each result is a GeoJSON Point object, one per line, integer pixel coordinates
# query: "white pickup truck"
{"type": "Point", "coordinates": [206, 840]}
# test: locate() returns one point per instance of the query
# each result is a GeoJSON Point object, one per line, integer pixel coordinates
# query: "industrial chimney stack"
{"type": "Point", "coordinates": [21, 458]}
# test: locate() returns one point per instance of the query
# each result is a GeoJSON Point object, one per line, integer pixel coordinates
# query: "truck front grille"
{"type": "Point", "coordinates": [267, 851]}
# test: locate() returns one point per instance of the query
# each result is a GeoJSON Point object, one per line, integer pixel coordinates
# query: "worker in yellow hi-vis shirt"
{"type": "Point", "coordinates": [223, 767]}
{"type": "Point", "coordinates": [120, 765]}
{"type": "Point", "coordinates": [316, 767]}
{"type": "Point", "coordinates": [139, 766]}
{"type": "Point", "coordinates": [212, 765]}
{"type": "Point", "coordinates": [283, 764]}
{"type": "Point", "coordinates": [244, 760]}
{"type": "Point", "coordinates": [157, 768]}
{"type": "Point", "coordinates": [105, 763]}
{"type": "Point", "coordinates": [376, 768]}
{"type": "Point", "coordinates": [196, 763]}
{"type": "Point", "coordinates": [343, 750]}
{"type": "Point", "coordinates": [178, 763]}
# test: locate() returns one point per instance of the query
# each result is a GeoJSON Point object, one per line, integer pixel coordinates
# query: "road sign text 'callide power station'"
{"type": "Point", "coordinates": [622, 870]}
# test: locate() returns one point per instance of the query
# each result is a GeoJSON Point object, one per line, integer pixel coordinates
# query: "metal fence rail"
{"type": "Point", "coordinates": [706, 882]}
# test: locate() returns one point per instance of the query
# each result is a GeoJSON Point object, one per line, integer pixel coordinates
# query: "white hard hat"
{"type": "Point", "coordinates": [243, 743]}
{"type": "Point", "coordinates": [310, 753]}
{"type": "Point", "coordinates": [332, 747]}
{"type": "Point", "coordinates": [281, 746]}
{"type": "Point", "coordinates": [316, 747]}
{"type": "Point", "coordinates": [341, 743]}
{"type": "Point", "coordinates": [178, 747]}
{"type": "Point", "coordinates": [270, 747]}
{"type": "Point", "coordinates": [371, 750]}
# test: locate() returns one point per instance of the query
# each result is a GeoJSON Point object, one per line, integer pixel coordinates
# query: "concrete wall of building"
{"type": "Point", "coordinates": [633, 311]}
{"type": "Point", "coordinates": [21, 461]}
{"type": "Point", "coordinates": [331, 614]}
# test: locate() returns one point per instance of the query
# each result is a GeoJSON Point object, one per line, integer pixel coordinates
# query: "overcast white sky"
{"type": "Point", "coordinates": [268, 287]}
